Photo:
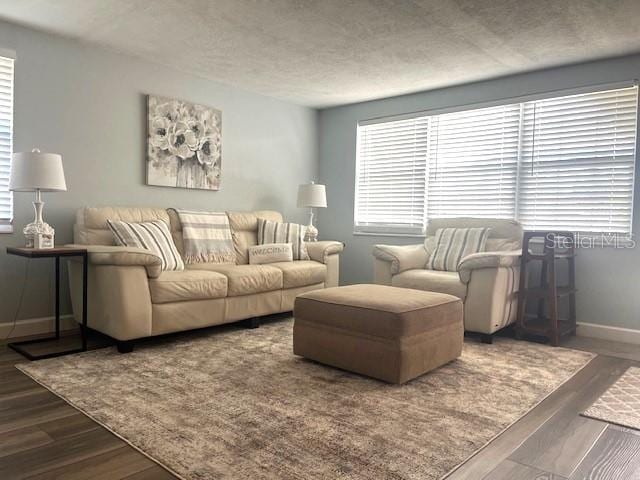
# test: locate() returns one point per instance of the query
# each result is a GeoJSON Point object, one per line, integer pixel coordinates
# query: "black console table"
{"type": "Point", "coordinates": [56, 253]}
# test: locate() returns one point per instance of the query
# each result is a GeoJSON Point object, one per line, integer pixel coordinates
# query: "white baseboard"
{"type": "Point", "coordinates": [616, 334]}
{"type": "Point", "coordinates": [35, 326]}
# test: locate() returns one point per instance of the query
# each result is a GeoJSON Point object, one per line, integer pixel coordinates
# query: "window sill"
{"type": "Point", "coordinates": [6, 229]}
{"type": "Point", "coordinates": [388, 234]}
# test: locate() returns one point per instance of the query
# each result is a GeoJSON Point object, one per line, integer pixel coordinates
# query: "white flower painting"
{"type": "Point", "coordinates": [184, 144]}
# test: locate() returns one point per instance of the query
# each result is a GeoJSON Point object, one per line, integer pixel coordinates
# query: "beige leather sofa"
{"type": "Point", "coordinates": [486, 282]}
{"type": "Point", "coordinates": [131, 298]}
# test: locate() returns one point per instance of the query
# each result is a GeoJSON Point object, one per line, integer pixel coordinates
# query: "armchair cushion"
{"type": "Point", "coordinates": [452, 244]}
{"type": "Point", "coordinates": [124, 256]}
{"type": "Point", "coordinates": [319, 251]}
{"type": "Point", "coordinates": [431, 281]}
{"type": "Point", "coordinates": [510, 258]}
{"type": "Point", "coordinates": [402, 257]}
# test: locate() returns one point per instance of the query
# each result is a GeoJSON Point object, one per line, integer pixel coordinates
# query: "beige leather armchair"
{"type": "Point", "coordinates": [487, 282]}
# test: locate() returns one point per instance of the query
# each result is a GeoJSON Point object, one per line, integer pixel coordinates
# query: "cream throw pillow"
{"type": "Point", "coordinates": [270, 253]}
{"type": "Point", "coordinates": [153, 236]}
{"type": "Point", "coordinates": [277, 232]}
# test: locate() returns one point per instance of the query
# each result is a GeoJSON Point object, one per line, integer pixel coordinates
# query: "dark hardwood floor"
{"type": "Point", "coordinates": [42, 437]}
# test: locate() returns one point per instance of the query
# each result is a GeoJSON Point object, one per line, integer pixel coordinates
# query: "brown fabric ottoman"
{"type": "Point", "coordinates": [390, 333]}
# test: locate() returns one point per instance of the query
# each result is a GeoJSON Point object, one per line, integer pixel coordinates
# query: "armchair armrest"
{"type": "Point", "coordinates": [401, 257]}
{"type": "Point", "coordinates": [475, 261]}
{"type": "Point", "coordinates": [123, 256]}
{"type": "Point", "coordinates": [320, 251]}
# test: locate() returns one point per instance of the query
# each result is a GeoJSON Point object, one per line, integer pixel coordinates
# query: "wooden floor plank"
{"type": "Point", "coordinates": [112, 465]}
{"type": "Point", "coordinates": [561, 442]}
{"type": "Point", "coordinates": [22, 439]}
{"type": "Point", "coordinates": [68, 426]}
{"type": "Point", "coordinates": [604, 347]}
{"type": "Point", "coordinates": [28, 400]}
{"type": "Point", "coordinates": [509, 470]}
{"type": "Point", "coordinates": [58, 454]}
{"type": "Point", "coordinates": [615, 456]}
{"type": "Point", "coordinates": [28, 417]}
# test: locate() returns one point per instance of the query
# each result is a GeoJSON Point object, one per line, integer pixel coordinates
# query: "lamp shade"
{"type": "Point", "coordinates": [35, 170]}
{"type": "Point", "coordinates": [312, 195]}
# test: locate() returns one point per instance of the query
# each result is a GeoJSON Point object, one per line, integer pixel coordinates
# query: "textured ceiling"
{"type": "Point", "coordinates": [330, 52]}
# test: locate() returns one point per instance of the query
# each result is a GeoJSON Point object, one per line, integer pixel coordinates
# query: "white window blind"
{"type": "Point", "coordinates": [391, 176]}
{"type": "Point", "coordinates": [578, 162]}
{"type": "Point", "coordinates": [558, 163]}
{"type": "Point", "coordinates": [473, 163]}
{"type": "Point", "coordinates": [6, 121]}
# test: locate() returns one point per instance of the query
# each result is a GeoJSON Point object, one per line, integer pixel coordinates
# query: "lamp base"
{"type": "Point", "coordinates": [39, 235]}
{"type": "Point", "coordinates": [311, 234]}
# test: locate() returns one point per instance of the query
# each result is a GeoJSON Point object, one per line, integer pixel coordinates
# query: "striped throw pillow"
{"type": "Point", "coordinates": [153, 236]}
{"type": "Point", "coordinates": [276, 232]}
{"type": "Point", "coordinates": [453, 244]}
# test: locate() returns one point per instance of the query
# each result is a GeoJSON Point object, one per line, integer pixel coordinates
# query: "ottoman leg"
{"type": "Point", "coordinates": [486, 338]}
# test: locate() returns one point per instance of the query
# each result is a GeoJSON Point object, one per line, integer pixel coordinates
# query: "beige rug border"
{"type": "Point", "coordinates": [84, 412]}
{"type": "Point", "coordinates": [476, 452]}
{"type": "Point", "coordinates": [601, 419]}
{"type": "Point", "coordinates": [450, 472]}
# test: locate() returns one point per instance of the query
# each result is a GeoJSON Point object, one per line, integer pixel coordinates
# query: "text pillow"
{"type": "Point", "coordinates": [453, 244]}
{"type": "Point", "coordinates": [270, 253]}
{"type": "Point", "coordinates": [276, 232]}
{"type": "Point", "coordinates": [153, 236]}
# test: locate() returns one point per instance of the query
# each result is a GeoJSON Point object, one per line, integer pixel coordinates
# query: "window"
{"type": "Point", "coordinates": [566, 163]}
{"type": "Point", "coordinates": [391, 179]}
{"type": "Point", "coordinates": [6, 137]}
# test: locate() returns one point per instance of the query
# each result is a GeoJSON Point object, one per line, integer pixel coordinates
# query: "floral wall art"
{"type": "Point", "coordinates": [184, 144]}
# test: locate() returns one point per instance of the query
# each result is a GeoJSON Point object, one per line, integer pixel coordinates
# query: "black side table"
{"type": "Point", "coordinates": [56, 253]}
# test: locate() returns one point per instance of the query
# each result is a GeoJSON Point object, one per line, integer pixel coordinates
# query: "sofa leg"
{"type": "Point", "coordinates": [124, 346]}
{"type": "Point", "coordinates": [253, 322]}
{"type": "Point", "coordinates": [486, 338]}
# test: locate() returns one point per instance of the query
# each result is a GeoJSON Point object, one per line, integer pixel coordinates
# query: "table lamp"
{"type": "Point", "coordinates": [38, 172]}
{"type": "Point", "coordinates": [311, 195]}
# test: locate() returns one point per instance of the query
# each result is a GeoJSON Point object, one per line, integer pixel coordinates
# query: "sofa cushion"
{"type": "Point", "coordinates": [244, 228]}
{"type": "Point", "coordinates": [246, 279]}
{"type": "Point", "coordinates": [177, 286]}
{"type": "Point", "coordinates": [91, 222]}
{"type": "Point", "coordinates": [431, 281]}
{"type": "Point", "coordinates": [301, 273]}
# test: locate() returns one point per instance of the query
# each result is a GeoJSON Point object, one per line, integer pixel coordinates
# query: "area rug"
{"type": "Point", "coordinates": [620, 404]}
{"type": "Point", "coordinates": [237, 404]}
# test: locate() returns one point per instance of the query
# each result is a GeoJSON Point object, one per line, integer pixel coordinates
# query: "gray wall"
{"type": "Point", "coordinates": [608, 278]}
{"type": "Point", "coordinates": [89, 105]}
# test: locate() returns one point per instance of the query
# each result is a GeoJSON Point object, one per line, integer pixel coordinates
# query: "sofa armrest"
{"type": "Point", "coordinates": [475, 261]}
{"type": "Point", "coordinates": [401, 257]}
{"type": "Point", "coordinates": [320, 251]}
{"type": "Point", "coordinates": [123, 256]}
